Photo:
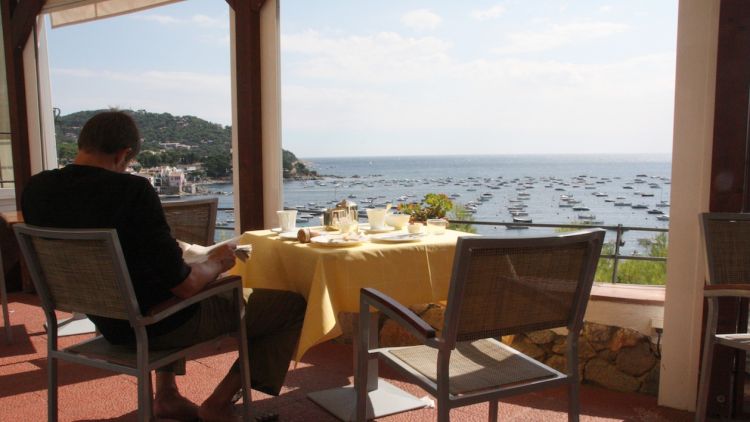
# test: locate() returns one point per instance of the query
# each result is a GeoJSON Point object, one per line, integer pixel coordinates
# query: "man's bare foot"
{"type": "Point", "coordinates": [218, 413]}
{"type": "Point", "coordinates": [170, 404]}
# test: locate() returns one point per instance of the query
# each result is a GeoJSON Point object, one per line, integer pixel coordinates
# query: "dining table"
{"type": "Point", "coordinates": [411, 269]}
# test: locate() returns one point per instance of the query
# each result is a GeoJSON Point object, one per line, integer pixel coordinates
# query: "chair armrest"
{"type": "Point", "coordinates": [173, 305]}
{"type": "Point", "coordinates": [398, 312]}
{"type": "Point", "coordinates": [726, 290]}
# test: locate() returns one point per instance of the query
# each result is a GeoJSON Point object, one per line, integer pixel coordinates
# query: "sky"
{"type": "Point", "coordinates": [411, 77]}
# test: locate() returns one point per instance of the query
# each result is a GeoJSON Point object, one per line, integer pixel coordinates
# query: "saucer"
{"type": "Point", "coordinates": [398, 237]}
{"type": "Point", "coordinates": [384, 229]}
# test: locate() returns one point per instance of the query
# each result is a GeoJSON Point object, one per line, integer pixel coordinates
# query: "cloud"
{"type": "Point", "coordinates": [199, 20]}
{"type": "Point", "coordinates": [380, 57]}
{"type": "Point", "coordinates": [201, 94]}
{"type": "Point", "coordinates": [421, 19]}
{"type": "Point", "coordinates": [413, 92]}
{"type": "Point", "coordinates": [486, 14]}
{"type": "Point", "coordinates": [558, 35]}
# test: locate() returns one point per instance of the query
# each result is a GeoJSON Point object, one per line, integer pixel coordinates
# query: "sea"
{"type": "Point", "coordinates": [609, 190]}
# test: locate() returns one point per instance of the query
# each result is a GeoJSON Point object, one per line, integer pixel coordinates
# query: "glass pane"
{"type": "Point", "coordinates": [4, 116]}
{"type": "Point", "coordinates": [6, 162]}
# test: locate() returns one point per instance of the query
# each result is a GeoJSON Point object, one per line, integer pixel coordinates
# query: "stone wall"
{"type": "Point", "coordinates": [615, 358]}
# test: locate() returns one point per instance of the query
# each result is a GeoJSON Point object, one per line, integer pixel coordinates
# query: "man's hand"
{"type": "Point", "coordinates": [224, 256]}
{"type": "Point", "coordinates": [219, 260]}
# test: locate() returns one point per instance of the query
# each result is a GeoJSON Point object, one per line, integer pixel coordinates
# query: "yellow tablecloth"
{"type": "Point", "coordinates": [330, 278]}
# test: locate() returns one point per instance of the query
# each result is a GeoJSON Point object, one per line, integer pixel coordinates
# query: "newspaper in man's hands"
{"type": "Point", "coordinates": [193, 254]}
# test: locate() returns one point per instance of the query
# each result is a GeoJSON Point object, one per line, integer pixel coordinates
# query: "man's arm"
{"type": "Point", "coordinates": [202, 273]}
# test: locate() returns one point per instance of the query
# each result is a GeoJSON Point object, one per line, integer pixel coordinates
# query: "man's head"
{"type": "Point", "coordinates": [110, 134]}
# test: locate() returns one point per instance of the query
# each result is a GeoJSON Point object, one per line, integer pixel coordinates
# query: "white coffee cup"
{"type": "Point", "coordinates": [415, 228]}
{"type": "Point", "coordinates": [376, 218]}
{"type": "Point", "coordinates": [287, 220]}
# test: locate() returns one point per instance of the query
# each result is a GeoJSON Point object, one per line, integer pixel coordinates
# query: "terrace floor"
{"type": "Point", "coordinates": [88, 394]}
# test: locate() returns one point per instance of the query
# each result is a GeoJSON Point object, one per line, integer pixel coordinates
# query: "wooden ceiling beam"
{"type": "Point", "coordinates": [23, 17]}
{"type": "Point", "coordinates": [254, 4]}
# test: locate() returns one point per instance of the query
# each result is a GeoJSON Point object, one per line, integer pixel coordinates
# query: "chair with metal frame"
{"type": "Point", "coordinates": [84, 269]}
{"type": "Point", "coordinates": [192, 221]}
{"type": "Point", "coordinates": [727, 249]}
{"type": "Point", "coordinates": [4, 299]}
{"type": "Point", "coordinates": [499, 287]}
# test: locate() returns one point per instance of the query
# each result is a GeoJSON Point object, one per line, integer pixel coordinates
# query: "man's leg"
{"type": "Point", "coordinates": [273, 320]}
{"type": "Point", "coordinates": [213, 319]}
{"type": "Point", "coordinates": [168, 402]}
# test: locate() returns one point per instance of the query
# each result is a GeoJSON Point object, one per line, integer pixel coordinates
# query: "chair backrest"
{"type": "Point", "coordinates": [727, 243]}
{"type": "Point", "coordinates": [504, 286]}
{"type": "Point", "coordinates": [80, 270]}
{"type": "Point", "coordinates": [192, 221]}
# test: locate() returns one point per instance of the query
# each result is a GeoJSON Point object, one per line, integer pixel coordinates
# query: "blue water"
{"type": "Point", "coordinates": [374, 181]}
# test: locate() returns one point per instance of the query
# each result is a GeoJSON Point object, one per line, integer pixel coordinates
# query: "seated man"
{"type": "Point", "coordinates": [96, 192]}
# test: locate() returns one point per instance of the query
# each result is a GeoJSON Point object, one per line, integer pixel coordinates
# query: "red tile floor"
{"type": "Point", "coordinates": [88, 394]}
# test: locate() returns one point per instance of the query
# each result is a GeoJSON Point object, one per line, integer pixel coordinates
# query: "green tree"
{"type": "Point", "coordinates": [636, 271]}
{"type": "Point", "coordinates": [200, 141]}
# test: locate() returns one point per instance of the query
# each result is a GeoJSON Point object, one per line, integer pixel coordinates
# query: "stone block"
{"type": "Point", "coordinates": [585, 350]}
{"type": "Point", "coordinates": [607, 355]}
{"type": "Point", "coordinates": [557, 362]}
{"type": "Point", "coordinates": [528, 348]}
{"type": "Point", "coordinates": [601, 372]}
{"type": "Point", "coordinates": [625, 337]}
{"type": "Point", "coordinates": [597, 334]}
{"type": "Point", "coordinates": [650, 382]}
{"type": "Point", "coordinates": [435, 316]}
{"type": "Point", "coordinates": [560, 363]}
{"type": "Point", "coordinates": [636, 360]}
{"type": "Point", "coordinates": [394, 335]}
{"type": "Point", "coordinates": [421, 308]}
{"type": "Point", "coordinates": [541, 336]}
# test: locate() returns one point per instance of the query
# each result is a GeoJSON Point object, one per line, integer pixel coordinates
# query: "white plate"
{"type": "Point", "coordinates": [397, 237]}
{"type": "Point", "coordinates": [336, 241]}
{"type": "Point", "coordinates": [288, 235]}
{"type": "Point", "coordinates": [276, 229]}
{"type": "Point", "coordinates": [384, 229]}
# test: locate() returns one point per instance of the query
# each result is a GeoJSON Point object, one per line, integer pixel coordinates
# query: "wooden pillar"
{"type": "Point", "coordinates": [248, 125]}
{"type": "Point", "coordinates": [730, 185]}
{"type": "Point", "coordinates": [18, 20]}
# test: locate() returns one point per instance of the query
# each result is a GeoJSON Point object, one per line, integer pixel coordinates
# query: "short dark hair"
{"type": "Point", "coordinates": [109, 132]}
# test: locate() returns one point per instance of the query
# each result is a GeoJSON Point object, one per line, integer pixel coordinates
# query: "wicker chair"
{"type": "Point", "coordinates": [499, 286]}
{"type": "Point", "coordinates": [727, 247]}
{"type": "Point", "coordinates": [192, 221]}
{"type": "Point", "coordinates": [84, 269]}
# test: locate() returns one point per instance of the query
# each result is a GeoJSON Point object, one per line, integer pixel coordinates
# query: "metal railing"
{"type": "Point", "coordinates": [618, 229]}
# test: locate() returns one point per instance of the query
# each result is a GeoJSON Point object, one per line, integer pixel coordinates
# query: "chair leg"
{"type": "Point", "coordinates": [574, 404]}
{"type": "Point", "coordinates": [493, 411]}
{"type": "Point", "coordinates": [444, 411]}
{"type": "Point", "coordinates": [361, 364]}
{"type": "Point", "coordinates": [706, 362]}
{"type": "Point", "coordinates": [52, 389]}
{"type": "Point", "coordinates": [243, 356]}
{"type": "Point", "coordinates": [144, 396]}
{"type": "Point", "coordinates": [4, 298]}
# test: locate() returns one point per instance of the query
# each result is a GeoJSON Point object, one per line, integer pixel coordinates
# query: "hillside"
{"type": "Point", "coordinates": [172, 140]}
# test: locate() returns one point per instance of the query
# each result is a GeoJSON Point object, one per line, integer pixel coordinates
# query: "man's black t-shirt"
{"type": "Point", "coordinates": [80, 196]}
